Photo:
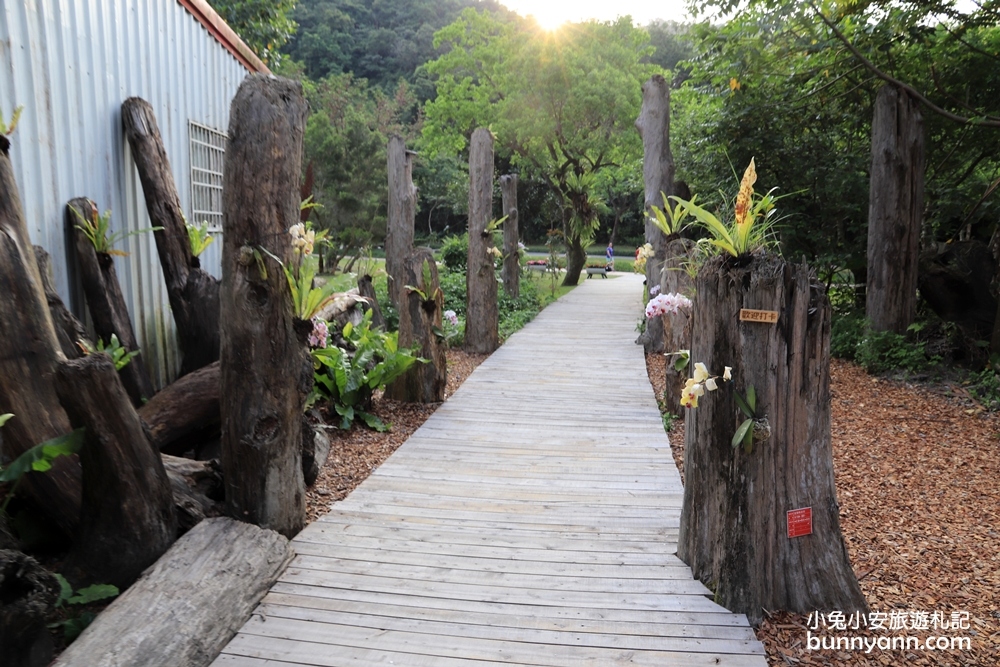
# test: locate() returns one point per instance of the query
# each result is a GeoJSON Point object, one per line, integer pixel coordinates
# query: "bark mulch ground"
{"type": "Point", "coordinates": [355, 453]}
{"type": "Point", "coordinates": [918, 481]}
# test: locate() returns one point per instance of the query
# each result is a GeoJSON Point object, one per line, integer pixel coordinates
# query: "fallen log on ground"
{"type": "Point", "coordinates": [197, 488]}
{"type": "Point", "coordinates": [28, 594]}
{"type": "Point", "coordinates": [187, 607]}
{"type": "Point", "coordinates": [184, 414]}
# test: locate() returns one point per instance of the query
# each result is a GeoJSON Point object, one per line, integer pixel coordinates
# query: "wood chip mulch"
{"type": "Point", "coordinates": [356, 452]}
{"type": "Point", "coordinates": [918, 481]}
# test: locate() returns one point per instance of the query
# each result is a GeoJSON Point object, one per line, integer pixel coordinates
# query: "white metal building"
{"type": "Point", "coordinates": [70, 64]}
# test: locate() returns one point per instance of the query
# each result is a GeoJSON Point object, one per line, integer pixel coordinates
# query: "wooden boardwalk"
{"type": "Point", "coordinates": [532, 520]}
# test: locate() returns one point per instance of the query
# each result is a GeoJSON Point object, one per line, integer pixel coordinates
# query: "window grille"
{"type": "Point", "coordinates": [208, 147]}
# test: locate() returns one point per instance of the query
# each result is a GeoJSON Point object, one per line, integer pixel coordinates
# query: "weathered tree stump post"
{"type": "Point", "coordinates": [264, 376]}
{"type": "Point", "coordinates": [193, 293]}
{"type": "Point", "coordinates": [482, 312]}
{"type": "Point", "coordinates": [127, 520]}
{"type": "Point", "coordinates": [419, 320]}
{"type": "Point", "coordinates": [367, 290]}
{"type": "Point", "coordinates": [653, 124]}
{"type": "Point", "coordinates": [733, 523]}
{"type": "Point", "coordinates": [402, 214]}
{"type": "Point", "coordinates": [895, 210]}
{"type": "Point", "coordinates": [29, 352]}
{"type": "Point", "coordinates": [106, 302]}
{"type": "Point", "coordinates": [511, 271]}
{"type": "Point", "coordinates": [29, 597]}
{"type": "Point", "coordinates": [69, 330]}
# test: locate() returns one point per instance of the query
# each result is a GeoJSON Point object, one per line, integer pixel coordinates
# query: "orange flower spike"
{"type": "Point", "coordinates": [746, 193]}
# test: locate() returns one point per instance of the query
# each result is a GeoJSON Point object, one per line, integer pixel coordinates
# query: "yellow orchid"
{"type": "Point", "coordinates": [744, 215]}
{"type": "Point", "coordinates": [700, 372]}
{"type": "Point", "coordinates": [690, 394]}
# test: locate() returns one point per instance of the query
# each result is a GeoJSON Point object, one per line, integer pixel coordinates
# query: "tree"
{"type": "Point", "coordinates": [263, 24]}
{"type": "Point", "coordinates": [560, 104]}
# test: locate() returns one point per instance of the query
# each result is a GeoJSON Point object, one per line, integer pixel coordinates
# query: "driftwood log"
{"type": "Point", "coordinates": [185, 413]}
{"type": "Point", "coordinates": [734, 518]}
{"type": "Point", "coordinates": [266, 370]}
{"type": "Point", "coordinates": [29, 352]}
{"type": "Point", "coordinates": [197, 490]}
{"type": "Point", "coordinates": [367, 290]}
{"type": "Point", "coordinates": [419, 324]}
{"type": "Point", "coordinates": [653, 124]}
{"type": "Point", "coordinates": [482, 312]}
{"type": "Point", "coordinates": [401, 215]}
{"type": "Point", "coordinates": [193, 293]}
{"type": "Point", "coordinates": [28, 594]}
{"type": "Point", "coordinates": [511, 272]}
{"type": "Point", "coordinates": [187, 606]}
{"type": "Point", "coordinates": [895, 210]}
{"type": "Point", "coordinates": [106, 302]}
{"type": "Point", "coordinates": [69, 330]}
{"type": "Point", "coordinates": [127, 520]}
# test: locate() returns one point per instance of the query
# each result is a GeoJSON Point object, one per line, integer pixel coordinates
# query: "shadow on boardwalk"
{"type": "Point", "coordinates": [532, 520]}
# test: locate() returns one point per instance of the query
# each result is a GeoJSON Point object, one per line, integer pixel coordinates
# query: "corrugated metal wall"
{"type": "Point", "coordinates": [71, 63]}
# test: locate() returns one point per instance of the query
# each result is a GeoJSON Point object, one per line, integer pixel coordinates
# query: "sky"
{"type": "Point", "coordinates": [553, 13]}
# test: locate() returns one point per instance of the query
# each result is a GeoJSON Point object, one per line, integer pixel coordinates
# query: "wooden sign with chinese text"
{"type": "Point", "coordinates": [766, 316]}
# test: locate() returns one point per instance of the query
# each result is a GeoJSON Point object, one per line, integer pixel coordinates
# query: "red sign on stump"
{"type": "Point", "coordinates": [800, 522]}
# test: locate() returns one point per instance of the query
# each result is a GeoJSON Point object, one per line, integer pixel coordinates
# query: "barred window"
{"type": "Point", "coordinates": [208, 147]}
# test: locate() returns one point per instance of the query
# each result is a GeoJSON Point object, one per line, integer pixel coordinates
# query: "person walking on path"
{"type": "Point", "coordinates": [609, 258]}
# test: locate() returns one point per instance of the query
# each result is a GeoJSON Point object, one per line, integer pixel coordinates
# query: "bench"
{"type": "Point", "coordinates": [597, 270]}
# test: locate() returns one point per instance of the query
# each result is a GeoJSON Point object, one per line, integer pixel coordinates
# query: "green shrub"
{"type": "Point", "coordinates": [884, 351]}
{"type": "Point", "coordinates": [985, 388]}
{"type": "Point", "coordinates": [455, 252]}
{"type": "Point", "coordinates": [846, 332]}
{"type": "Point", "coordinates": [453, 288]}
{"type": "Point", "coordinates": [515, 313]}
{"type": "Point", "coordinates": [348, 378]}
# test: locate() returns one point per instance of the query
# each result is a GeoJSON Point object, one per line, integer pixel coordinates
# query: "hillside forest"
{"type": "Point", "coordinates": [790, 84]}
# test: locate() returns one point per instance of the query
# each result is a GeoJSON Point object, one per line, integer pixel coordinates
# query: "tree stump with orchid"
{"type": "Point", "coordinates": [105, 300]}
{"type": "Point", "coordinates": [193, 292]}
{"type": "Point", "coordinates": [734, 522]}
{"type": "Point", "coordinates": [482, 313]}
{"type": "Point", "coordinates": [653, 125]}
{"type": "Point", "coordinates": [420, 325]}
{"type": "Point", "coordinates": [511, 272]}
{"type": "Point", "coordinates": [265, 368]}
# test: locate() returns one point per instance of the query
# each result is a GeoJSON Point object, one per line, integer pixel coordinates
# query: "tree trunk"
{"type": "Point", "coordinates": [482, 313]}
{"type": "Point", "coordinates": [127, 520]}
{"type": "Point", "coordinates": [193, 293]}
{"type": "Point", "coordinates": [402, 211]}
{"type": "Point", "coordinates": [733, 523]}
{"type": "Point", "coordinates": [28, 594]}
{"type": "Point", "coordinates": [576, 260]}
{"type": "Point", "coordinates": [511, 256]}
{"type": "Point", "coordinates": [186, 608]}
{"type": "Point", "coordinates": [29, 352]}
{"type": "Point", "coordinates": [653, 124]}
{"type": "Point", "coordinates": [185, 413]}
{"type": "Point", "coordinates": [367, 290]}
{"type": "Point", "coordinates": [266, 370]}
{"type": "Point", "coordinates": [315, 450]}
{"type": "Point", "coordinates": [895, 210]}
{"type": "Point", "coordinates": [106, 303]}
{"type": "Point", "coordinates": [69, 330]}
{"type": "Point", "coordinates": [676, 329]}
{"type": "Point", "coordinates": [419, 324]}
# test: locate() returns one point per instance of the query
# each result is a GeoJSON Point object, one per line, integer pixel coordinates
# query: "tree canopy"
{"type": "Point", "coordinates": [561, 105]}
